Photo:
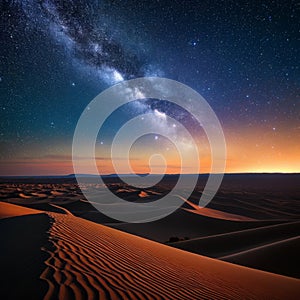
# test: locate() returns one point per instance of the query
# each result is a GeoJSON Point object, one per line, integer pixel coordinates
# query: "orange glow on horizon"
{"type": "Point", "coordinates": [248, 151]}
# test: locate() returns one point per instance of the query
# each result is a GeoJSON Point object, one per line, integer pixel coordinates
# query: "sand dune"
{"type": "Point", "coordinates": [270, 248]}
{"type": "Point", "coordinates": [233, 242]}
{"type": "Point", "coordinates": [143, 194]}
{"type": "Point", "coordinates": [182, 224]}
{"type": "Point", "coordinates": [241, 197]}
{"type": "Point", "coordinates": [8, 210]}
{"type": "Point", "coordinates": [274, 257]}
{"type": "Point", "coordinates": [23, 234]}
{"type": "Point", "coordinates": [213, 213]}
{"type": "Point", "coordinates": [248, 223]}
{"type": "Point", "coordinates": [91, 261]}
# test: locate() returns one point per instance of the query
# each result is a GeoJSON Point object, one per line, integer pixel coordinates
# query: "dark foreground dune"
{"type": "Point", "coordinates": [77, 259]}
{"type": "Point", "coordinates": [24, 233]}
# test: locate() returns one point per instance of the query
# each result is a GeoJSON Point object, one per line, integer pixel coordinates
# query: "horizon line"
{"type": "Point", "coordinates": [168, 174]}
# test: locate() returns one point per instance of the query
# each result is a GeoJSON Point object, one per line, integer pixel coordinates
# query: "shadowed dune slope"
{"type": "Point", "coordinates": [183, 223]}
{"type": "Point", "coordinates": [278, 257]}
{"type": "Point", "coordinates": [24, 232]}
{"type": "Point", "coordinates": [232, 242]}
{"type": "Point", "coordinates": [21, 255]}
{"type": "Point", "coordinates": [271, 248]}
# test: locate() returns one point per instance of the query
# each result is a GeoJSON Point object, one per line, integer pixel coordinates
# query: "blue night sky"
{"type": "Point", "coordinates": [242, 57]}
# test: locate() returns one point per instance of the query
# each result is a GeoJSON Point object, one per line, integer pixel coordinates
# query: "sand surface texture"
{"type": "Point", "coordinates": [84, 260]}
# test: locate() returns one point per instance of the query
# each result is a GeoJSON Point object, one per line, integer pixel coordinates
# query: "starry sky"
{"type": "Point", "coordinates": [242, 57]}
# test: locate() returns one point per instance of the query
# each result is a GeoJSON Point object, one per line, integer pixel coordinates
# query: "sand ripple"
{"type": "Point", "coordinates": [91, 261]}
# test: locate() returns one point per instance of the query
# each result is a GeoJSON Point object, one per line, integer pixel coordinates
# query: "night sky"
{"type": "Point", "coordinates": [56, 56]}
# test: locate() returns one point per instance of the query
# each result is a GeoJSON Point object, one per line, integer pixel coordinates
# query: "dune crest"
{"type": "Point", "coordinates": [8, 210]}
{"type": "Point", "coordinates": [213, 213]}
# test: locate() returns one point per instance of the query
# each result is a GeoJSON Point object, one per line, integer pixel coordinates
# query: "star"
{"type": "Point", "coordinates": [241, 71]}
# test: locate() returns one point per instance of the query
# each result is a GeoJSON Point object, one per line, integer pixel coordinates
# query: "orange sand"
{"type": "Point", "coordinates": [92, 261]}
{"type": "Point", "coordinates": [98, 261]}
{"type": "Point", "coordinates": [8, 210]}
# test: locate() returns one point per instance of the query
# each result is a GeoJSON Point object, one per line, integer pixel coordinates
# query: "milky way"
{"type": "Point", "coordinates": [81, 27]}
